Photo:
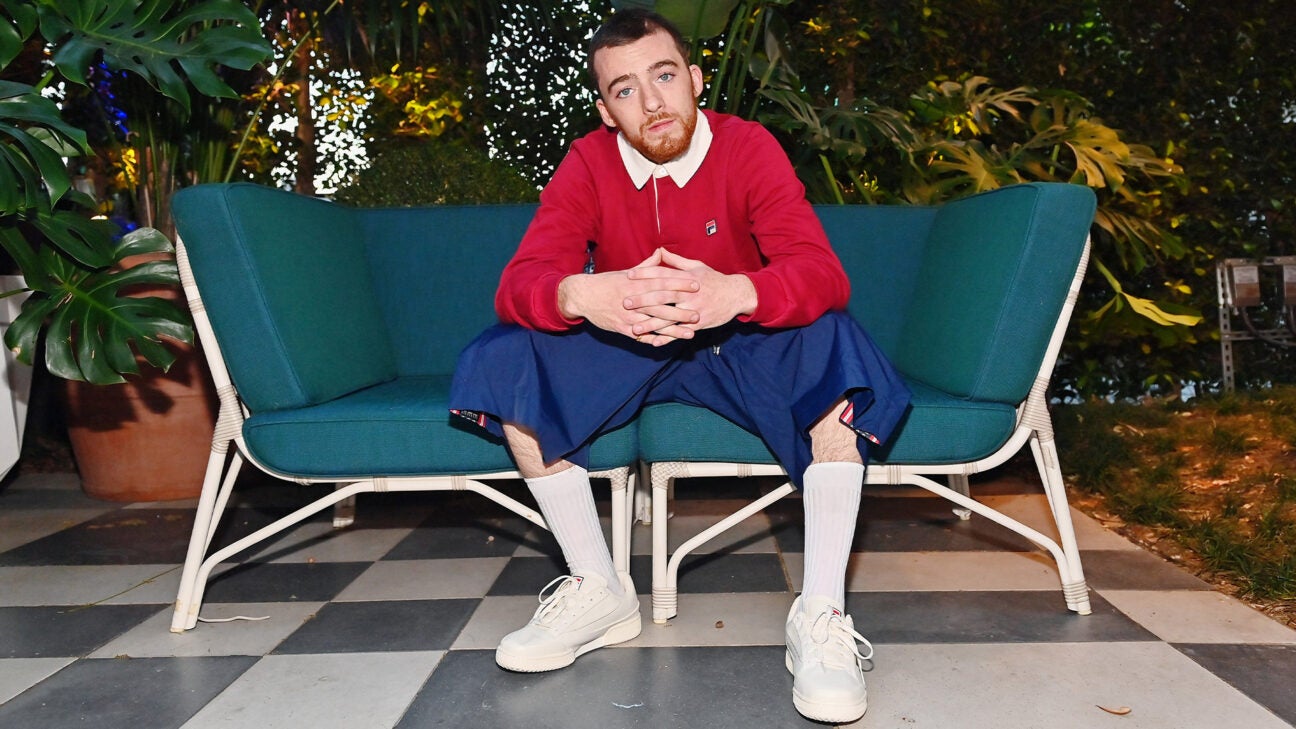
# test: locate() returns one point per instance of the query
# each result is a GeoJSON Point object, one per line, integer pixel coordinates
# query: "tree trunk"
{"type": "Point", "coordinates": [302, 61]}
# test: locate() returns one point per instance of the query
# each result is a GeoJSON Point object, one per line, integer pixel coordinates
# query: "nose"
{"type": "Point", "coordinates": [652, 99]}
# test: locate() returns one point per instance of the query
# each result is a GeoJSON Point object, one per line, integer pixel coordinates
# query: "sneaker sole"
{"type": "Point", "coordinates": [619, 633]}
{"type": "Point", "coordinates": [832, 713]}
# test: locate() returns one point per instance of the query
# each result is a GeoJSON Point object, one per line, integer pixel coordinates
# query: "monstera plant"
{"type": "Point", "coordinates": [72, 261]}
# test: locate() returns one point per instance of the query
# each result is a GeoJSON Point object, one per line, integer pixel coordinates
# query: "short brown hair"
{"type": "Point", "coordinates": [626, 27]}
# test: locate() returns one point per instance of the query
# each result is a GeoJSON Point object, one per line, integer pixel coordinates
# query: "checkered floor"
{"type": "Point", "coordinates": [392, 623]}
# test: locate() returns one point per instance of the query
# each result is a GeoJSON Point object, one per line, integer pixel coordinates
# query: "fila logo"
{"type": "Point", "coordinates": [711, 227]}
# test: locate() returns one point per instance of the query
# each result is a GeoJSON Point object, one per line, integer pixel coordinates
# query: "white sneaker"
{"type": "Point", "coordinates": [826, 664]}
{"type": "Point", "coordinates": [577, 616]}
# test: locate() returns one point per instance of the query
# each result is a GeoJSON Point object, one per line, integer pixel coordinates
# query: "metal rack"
{"type": "Point", "coordinates": [1240, 292]}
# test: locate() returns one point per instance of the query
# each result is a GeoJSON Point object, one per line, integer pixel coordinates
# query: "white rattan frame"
{"type": "Point", "coordinates": [1033, 426]}
{"type": "Point", "coordinates": [223, 468]}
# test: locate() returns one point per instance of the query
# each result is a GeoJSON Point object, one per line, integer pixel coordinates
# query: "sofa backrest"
{"type": "Point", "coordinates": [881, 248]}
{"type": "Point", "coordinates": [286, 283]}
{"type": "Point", "coordinates": [438, 268]}
{"type": "Point", "coordinates": [312, 300]}
{"type": "Point", "coordinates": [994, 277]}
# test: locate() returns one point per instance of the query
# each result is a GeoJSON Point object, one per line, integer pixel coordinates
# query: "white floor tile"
{"type": "Point", "coordinates": [320, 691]}
{"type": "Point", "coordinates": [19, 674]}
{"type": "Point", "coordinates": [1195, 616]}
{"type": "Point", "coordinates": [1053, 686]}
{"type": "Point", "coordinates": [493, 619]}
{"type": "Point", "coordinates": [1033, 511]}
{"type": "Point", "coordinates": [940, 571]}
{"type": "Point", "coordinates": [425, 579]}
{"type": "Point", "coordinates": [84, 585]}
{"type": "Point", "coordinates": [153, 637]}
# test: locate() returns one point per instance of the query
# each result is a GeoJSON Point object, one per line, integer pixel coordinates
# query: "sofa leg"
{"type": "Point", "coordinates": [665, 599]}
{"type": "Point", "coordinates": [344, 511]}
{"type": "Point", "coordinates": [1074, 588]}
{"type": "Point", "coordinates": [958, 482]}
{"type": "Point", "coordinates": [211, 504]}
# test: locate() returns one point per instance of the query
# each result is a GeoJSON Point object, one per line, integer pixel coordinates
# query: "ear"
{"type": "Point", "coordinates": [603, 112]}
{"type": "Point", "coordinates": [696, 74]}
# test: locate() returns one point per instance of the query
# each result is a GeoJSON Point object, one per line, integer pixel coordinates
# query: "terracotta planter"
{"type": "Point", "coordinates": [147, 439]}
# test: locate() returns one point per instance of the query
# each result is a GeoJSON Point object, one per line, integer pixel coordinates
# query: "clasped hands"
{"type": "Point", "coordinates": [664, 298]}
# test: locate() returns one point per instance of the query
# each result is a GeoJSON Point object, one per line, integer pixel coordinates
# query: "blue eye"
{"type": "Point", "coordinates": [668, 76]}
{"type": "Point", "coordinates": [623, 93]}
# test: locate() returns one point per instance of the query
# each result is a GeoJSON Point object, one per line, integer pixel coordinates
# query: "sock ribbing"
{"type": "Point", "coordinates": [567, 503]}
{"type": "Point", "coordinates": [831, 496]}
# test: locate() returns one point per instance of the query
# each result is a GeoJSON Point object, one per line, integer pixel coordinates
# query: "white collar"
{"type": "Point", "coordinates": [681, 169]}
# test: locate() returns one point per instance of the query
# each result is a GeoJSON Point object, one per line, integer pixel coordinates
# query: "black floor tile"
{"type": "Point", "coordinates": [387, 625]}
{"type": "Point", "coordinates": [442, 538]}
{"type": "Point", "coordinates": [986, 617]}
{"type": "Point", "coordinates": [124, 536]}
{"type": "Point", "coordinates": [1262, 672]}
{"type": "Point", "coordinates": [527, 575]}
{"type": "Point", "coordinates": [288, 582]}
{"type": "Point", "coordinates": [718, 572]}
{"type": "Point", "coordinates": [133, 536]}
{"type": "Point", "coordinates": [661, 688]}
{"type": "Point", "coordinates": [64, 630]}
{"type": "Point", "coordinates": [1128, 569]}
{"type": "Point", "coordinates": [124, 693]}
{"type": "Point", "coordinates": [903, 524]}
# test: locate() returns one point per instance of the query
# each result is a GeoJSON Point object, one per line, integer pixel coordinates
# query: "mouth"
{"type": "Point", "coordinates": [659, 126]}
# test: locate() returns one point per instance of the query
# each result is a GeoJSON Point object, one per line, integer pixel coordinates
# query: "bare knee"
{"type": "Point", "coordinates": [831, 441]}
{"type": "Point", "coordinates": [525, 447]}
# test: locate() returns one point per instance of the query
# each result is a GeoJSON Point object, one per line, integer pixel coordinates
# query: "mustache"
{"type": "Point", "coordinates": [657, 118]}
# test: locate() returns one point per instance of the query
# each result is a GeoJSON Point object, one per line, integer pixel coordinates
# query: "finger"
{"type": "Point", "coordinates": [651, 260]}
{"type": "Point", "coordinates": [664, 316]}
{"type": "Point", "coordinates": [656, 297]}
{"type": "Point", "coordinates": [678, 261]}
{"type": "Point", "coordinates": [674, 332]}
{"type": "Point", "coordinates": [657, 272]}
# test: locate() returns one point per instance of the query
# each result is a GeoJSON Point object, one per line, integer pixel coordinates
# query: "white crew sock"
{"type": "Point", "coordinates": [567, 503]}
{"type": "Point", "coordinates": [831, 495]}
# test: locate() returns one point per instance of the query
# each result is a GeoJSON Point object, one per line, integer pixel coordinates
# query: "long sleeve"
{"type": "Point", "coordinates": [801, 278]}
{"type": "Point", "coordinates": [553, 248]}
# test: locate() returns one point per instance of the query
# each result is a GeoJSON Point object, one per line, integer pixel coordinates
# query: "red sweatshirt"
{"type": "Point", "coordinates": [743, 211]}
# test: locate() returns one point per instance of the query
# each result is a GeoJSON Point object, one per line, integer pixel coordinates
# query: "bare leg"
{"type": "Point", "coordinates": [832, 442]}
{"type": "Point", "coordinates": [525, 446]}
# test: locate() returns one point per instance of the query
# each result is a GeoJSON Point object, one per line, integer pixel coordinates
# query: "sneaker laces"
{"type": "Point", "coordinates": [552, 603]}
{"type": "Point", "coordinates": [837, 641]}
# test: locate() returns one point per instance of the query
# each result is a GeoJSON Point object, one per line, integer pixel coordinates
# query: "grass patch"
{"type": "Point", "coordinates": [1211, 482]}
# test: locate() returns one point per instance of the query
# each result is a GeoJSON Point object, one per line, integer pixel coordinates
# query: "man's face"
{"type": "Point", "coordinates": [649, 92]}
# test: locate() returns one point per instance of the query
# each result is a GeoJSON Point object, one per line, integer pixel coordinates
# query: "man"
{"type": "Point", "coordinates": [674, 258]}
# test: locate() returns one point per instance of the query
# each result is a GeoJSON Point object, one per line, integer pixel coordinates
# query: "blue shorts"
{"type": "Point", "coordinates": [569, 387]}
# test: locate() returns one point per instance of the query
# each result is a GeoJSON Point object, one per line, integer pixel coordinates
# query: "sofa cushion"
{"type": "Point", "coordinates": [397, 428]}
{"type": "Point", "coordinates": [292, 303]}
{"type": "Point", "coordinates": [995, 274]}
{"type": "Point", "coordinates": [938, 429]}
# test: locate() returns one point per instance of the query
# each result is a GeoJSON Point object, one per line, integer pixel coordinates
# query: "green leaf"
{"type": "Point", "coordinates": [22, 252]}
{"type": "Point", "coordinates": [144, 240]}
{"type": "Point", "coordinates": [88, 242]}
{"type": "Point", "coordinates": [16, 24]}
{"type": "Point", "coordinates": [156, 40]}
{"type": "Point", "coordinates": [23, 334]}
{"type": "Point", "coordinates": [698, 19]}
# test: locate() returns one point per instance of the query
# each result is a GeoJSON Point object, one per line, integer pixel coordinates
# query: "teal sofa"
{"type": "Point", "coordinates": [333, 333]}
